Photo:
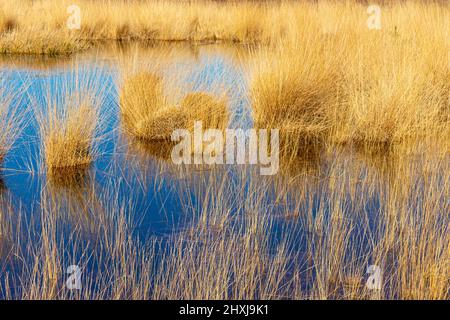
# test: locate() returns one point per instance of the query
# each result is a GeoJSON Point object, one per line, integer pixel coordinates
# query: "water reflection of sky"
{"type": "Point", "coordinates": [159, 208]}
{"type": "Point", "coordinates": [158, 191]}
{"type": "Point", "coordinates": [157, 196]}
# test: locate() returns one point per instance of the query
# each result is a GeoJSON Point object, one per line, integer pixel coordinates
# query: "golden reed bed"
{"type": "Point", "coordinates": [320, 75]}
{"type": "Point", "coordinates": [319, 69]}
{"type": "Point", "coordinates": [42, 26]}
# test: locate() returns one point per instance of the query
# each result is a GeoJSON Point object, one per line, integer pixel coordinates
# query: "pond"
{"type": "Point", "coordinates": [328, 196]}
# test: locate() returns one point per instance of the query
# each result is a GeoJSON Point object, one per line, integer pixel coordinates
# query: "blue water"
{"type": "Point", "coordinates": [157, 197]}
{"type": "Point", "coordinates": [157, 201]}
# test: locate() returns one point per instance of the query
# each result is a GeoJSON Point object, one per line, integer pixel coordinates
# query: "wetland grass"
{"type": "Point", "coordinates": [148, 113]}
{"type": "Point", "coordinates": [145, 110]}
{"type": "Point", "coordinates": [68, 143]}
{"type": "Point", "coordinates": [364, 118]}
{"type": "Point", "coordinates": [12, 118]}
{"type": "Point", "coordinates": [356, 85]}
{"type": "Point", "coordinates": [222, 256]}
{"type": "Point", "coordinates": [67, 115]}
{"type": "Point", "coordinates": [26, 26]}
{"type": "Point", "coordinates": [202, 106]}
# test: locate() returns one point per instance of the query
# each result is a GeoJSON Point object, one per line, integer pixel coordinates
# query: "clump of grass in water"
{"type": "Point", "coordinates": [145, 111]}
{"type": "Point", "coordinates": [69, 141]}
{"type": "Point", "coordinates": [148, 115]}
{"type": "Point", "coordinates": [201, 106]}
{"type": "Point", "coordinates": [69, 121]}
{"type": "Point", "coordinates": [295, 94]}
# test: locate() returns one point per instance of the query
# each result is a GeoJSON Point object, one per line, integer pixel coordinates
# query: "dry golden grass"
{"type": "Point", "coordinates": [69, 140]}
{"type": "Point", "coordinates": [147, 113]}
{"type": "Point", "coordinates": [350, 84]}
{"type": "Point", "coordinates": [204, 107]}
{"type": "Point", "coordinates": [384, 203]}
{"type": "Point", "coordinates": [26, 25]}
{"type": "Point", "coordinates": [222, 256]}
{"type": "Point", "coordinates": [36, 42]}
{"type": "Point", "coordinates": [294, 87]}
{"type": "Point", "coordinates": [145, 110]}
{"type": "Point", "coordinates": [68, 118]}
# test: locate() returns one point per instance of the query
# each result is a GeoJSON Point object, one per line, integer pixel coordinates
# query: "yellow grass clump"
{"type": "Point", "coordinates": [148, 115]}
{"type": "Point", "coordinates": [144, 108]}
{"type": "Point", "coordinates": [68, 142]}
{"type": "Point", "coordinates": [204, 107]}
{"type": "Point", "coordinates": [67, 112]}
{"type": "Point", "coordinates": [396, 88]}
{"type": "Point", "coordinates": [341, 81]}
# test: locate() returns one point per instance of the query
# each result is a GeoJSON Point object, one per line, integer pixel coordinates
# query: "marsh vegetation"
{"type": "Point", "coordinates": [87, 177]}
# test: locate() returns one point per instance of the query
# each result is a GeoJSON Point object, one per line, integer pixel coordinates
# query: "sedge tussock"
{"type": "Point", "coordinates": [356, 85]}
{"type": "Point", "coordinates": [295, 93]}
{"type": "Point", "coordinates": [201, 106]}
{"type": "Point", "coordinates": [147, 113]}
{"type": "Point", "coordinates": [68, 143]}
{"type": "Point", "coordinates": [68, 118]}
{"type": "Point", "coordinates": [145, 110]}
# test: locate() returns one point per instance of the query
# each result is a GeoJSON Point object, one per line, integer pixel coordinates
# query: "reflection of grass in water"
{"type": "Point", "coordinates": [299, 155]}
{"type": "Point", "coordinates": [235, 254]}
{"type": "Point", "coordinates": [72, 179]}
{"type": "Point", "coordinates": [71, 192]}
{"type": "Point", "coordinates": [158, 150]}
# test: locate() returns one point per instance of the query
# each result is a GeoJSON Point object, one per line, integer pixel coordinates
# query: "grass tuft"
{"type": "Point", "coordinates": [67, 112]}
{"type": "Point", "coordinates": [144, 108]}
{"type": "Point", "coordinates": [147, 114]}
{"type": "Point", "coordinates": [69, 140]}
{"type": "Point", "coordinates": [201, 106]}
